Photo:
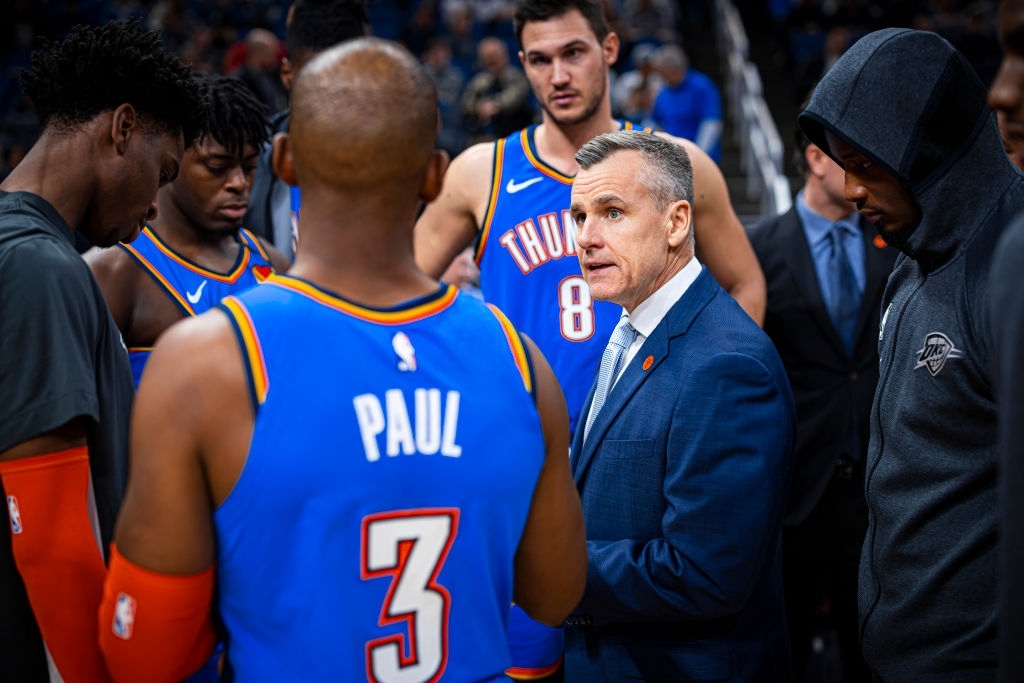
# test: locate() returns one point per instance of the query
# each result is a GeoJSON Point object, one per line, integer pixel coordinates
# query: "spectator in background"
{"type": "Point", "coordinates": [688, 106]}
{"type": "Point", "coordinates": [449, 81]}
{"type": "Point", "coordinates": [312, 27]}
{"type": "Point", "coordinates": [634, 91]}
{"type": "Point", "coordinates": [808, 72]}
{"type": "Point", "coordinates": [458, 26]}
{"type": "Point", "coordinates": [648, 21]}
{"type": "Point", "coordinates": [260, 68]}
{"type": "Point", "coordinates": [496, 101]}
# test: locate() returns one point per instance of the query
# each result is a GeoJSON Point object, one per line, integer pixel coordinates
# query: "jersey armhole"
{"type": "Point", "coordinates": [520, 355]}
{"type": "Point", "coordinates": [254, 243]}
{"type": "Point", "coordinates": [497, 164]}
{"type": "Point", "coordinates": [252, 351]}
{"type": "Point", "coordinates": [160, 280]}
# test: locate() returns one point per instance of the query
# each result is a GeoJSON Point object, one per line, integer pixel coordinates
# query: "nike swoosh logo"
{"type": "Point", "coordinates": [512, 187]}
{"type": "Point", "coordinates": [193, 298]}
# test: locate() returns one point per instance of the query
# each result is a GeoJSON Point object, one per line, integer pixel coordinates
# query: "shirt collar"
{"type": "Point", "coordinates": [817, 227]}
{"type": "Point", "coordinates": [649, 313]}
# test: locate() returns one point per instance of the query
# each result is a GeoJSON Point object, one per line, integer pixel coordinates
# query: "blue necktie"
{"type": "Point", "coordinates": [611, 362]}
{"type": "Point", "coordinates": [845, 305]}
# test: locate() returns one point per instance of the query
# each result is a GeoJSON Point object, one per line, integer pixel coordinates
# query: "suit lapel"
{"type": "Point", "coordinates": [651, 354]}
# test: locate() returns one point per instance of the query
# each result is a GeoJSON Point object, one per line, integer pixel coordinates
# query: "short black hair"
{"type": "Point", "coordinates": [319, 24]}
{"type": "Point", "coordinates": [542, 10]}
{"type": "Point", "coordinates": [236, 117]}
{"type": "Point", "coordinates": [97, 68]}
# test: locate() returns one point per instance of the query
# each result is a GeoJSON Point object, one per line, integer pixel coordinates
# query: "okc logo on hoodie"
{"type": "Point", "coordinates": [938, 348]}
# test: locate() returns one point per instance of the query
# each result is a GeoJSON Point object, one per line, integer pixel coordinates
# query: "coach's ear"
{"type": "Point", "coordinates": [434, 176]}
{"type": "Point", "coordinates": [281, 159]}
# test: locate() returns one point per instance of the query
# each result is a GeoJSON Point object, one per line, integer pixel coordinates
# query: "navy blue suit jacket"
{"type": "Point", "coordinates": [683, 480]}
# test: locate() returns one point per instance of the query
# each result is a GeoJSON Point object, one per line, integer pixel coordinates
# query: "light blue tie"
{"type": "Point", "coordinates": [611, 362]}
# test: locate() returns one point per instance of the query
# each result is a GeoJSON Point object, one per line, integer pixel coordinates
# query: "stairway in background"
{"type": "Point", "coordinates": [699, 41]}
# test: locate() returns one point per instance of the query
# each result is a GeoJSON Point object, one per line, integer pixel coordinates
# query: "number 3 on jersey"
{"type": "Point", "coordinates": [575, 309]}
{"type": "Point", "coordinates": [410, 547]}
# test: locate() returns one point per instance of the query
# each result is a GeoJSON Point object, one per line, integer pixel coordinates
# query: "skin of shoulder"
{"type": "Point", "coordinates": [191, 425]}
{"type": "Point", "coordinates": [551, 561]}
{"type": "Point", "coordinates": [118, 276]}
{"type": "Point", "coordinates": [280, 262]}
{"type": "Point", "coordinates": [722, 243]}
{"type": "Point", "coordinates": [450, 223]}
{"type": "Point", "coordinates": [141, 309]}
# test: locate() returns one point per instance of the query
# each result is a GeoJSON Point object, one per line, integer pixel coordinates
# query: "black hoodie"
{"type": "Point", "coordinates": [911, 103]}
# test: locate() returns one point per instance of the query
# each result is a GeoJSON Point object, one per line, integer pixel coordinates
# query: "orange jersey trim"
{"type": "Point", "coordinates": [522, 673]}
{"type": "Point", "coordinates": [406, 315]}
{"type": "Point", "coordinates": [527, 141]}
{"type": "Point", "coordinates": [255, 363]}
{"type": "Point", "coordinates": [492, 201]}
{"type": "Point", "coordinates": [255, 243]}
{"type": "Point", "coordinates": [230, 278]}
{"type": "Point", "coordinates": [158, 276]}
{"type": "Point", "coordinates": [515, 343]}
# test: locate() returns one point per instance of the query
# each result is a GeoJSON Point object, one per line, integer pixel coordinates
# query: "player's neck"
{"type": "Point", "coordinates": [557, 143]}
{"type": "Point", "coordinates": [367, 257]}
{"type": "Point", "coordinates": [51, 170]}
{"type": "Point", "coordinates": [216, 250]}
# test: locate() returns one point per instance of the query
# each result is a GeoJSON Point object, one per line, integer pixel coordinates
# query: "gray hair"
{"type": "Point", "coordinates": [671, 55]}
{"type": "Point", "coordinates": [666, 172]}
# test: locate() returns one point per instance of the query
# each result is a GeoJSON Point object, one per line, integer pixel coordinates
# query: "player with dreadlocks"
{"type": "Point", "coordinates": [312, 27]}
{"type": "Point", "coordinates": [195, 252]}
{"type": "Point", "coordinates": [116, 111]}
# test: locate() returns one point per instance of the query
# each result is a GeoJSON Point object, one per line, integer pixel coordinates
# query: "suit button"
{"type": "Point", "coordinates": [853, 376]}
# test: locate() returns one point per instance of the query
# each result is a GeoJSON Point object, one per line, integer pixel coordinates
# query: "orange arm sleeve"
{"type": "Point", "coordinates": [155, 627]}
{"type": "Point", "coordinates": [58, 555]}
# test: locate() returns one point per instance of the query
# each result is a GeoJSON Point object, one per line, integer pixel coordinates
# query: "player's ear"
{"type": "Point", "coordinates": [434, 176]}
{"type": "Point", "coordinates": [287, 74]}
{"type": "Point", "coordinates": [281, 159]}
{"type": "Point", "coordinates": [122, 125]}
{"type": "Point", "coordinates": [610, 47]}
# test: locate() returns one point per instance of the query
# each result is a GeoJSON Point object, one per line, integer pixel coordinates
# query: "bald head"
{"type": "Point", "coordinates": [363, 114]}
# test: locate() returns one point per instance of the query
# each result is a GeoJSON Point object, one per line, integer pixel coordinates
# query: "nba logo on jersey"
{"type": "Point", "coordinates": [406, 353]}
{"type": "Point", "coordinates": [124, 616]}
{"type": "Point", "coordinates": [12, 509]}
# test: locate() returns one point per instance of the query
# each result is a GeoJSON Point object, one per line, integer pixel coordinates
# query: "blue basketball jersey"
{"type": "Point", "coordinates": [372, 532]}
{"type": "Point", "coordinates": [193, 288]}
{"type": "Point", "coordinates": [529, 268]}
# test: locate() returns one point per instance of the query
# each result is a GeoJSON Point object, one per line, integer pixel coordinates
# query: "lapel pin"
{"type": "Point", "coordinates": [648, 362]}
{"type": "Point", "coordinates": [879, 242]}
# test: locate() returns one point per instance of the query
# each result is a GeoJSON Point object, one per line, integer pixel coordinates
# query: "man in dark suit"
{"type": "Point", "coordinates": [684, 460]}
{"type": "Point", "coordinates": [832, 363]}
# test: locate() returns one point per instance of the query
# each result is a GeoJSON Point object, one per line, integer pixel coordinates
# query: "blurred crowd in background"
{"type": "Point", "coordinates": [470, 50]}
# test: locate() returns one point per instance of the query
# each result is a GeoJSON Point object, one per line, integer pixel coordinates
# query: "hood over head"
{"type": "Point", "coordinates": [909, 101]}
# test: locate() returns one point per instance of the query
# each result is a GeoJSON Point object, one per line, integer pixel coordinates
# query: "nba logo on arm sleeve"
{"type": "Point", "coordinates": [12, 509]}
{"type": "Point", "coordinates": [124, 616]}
